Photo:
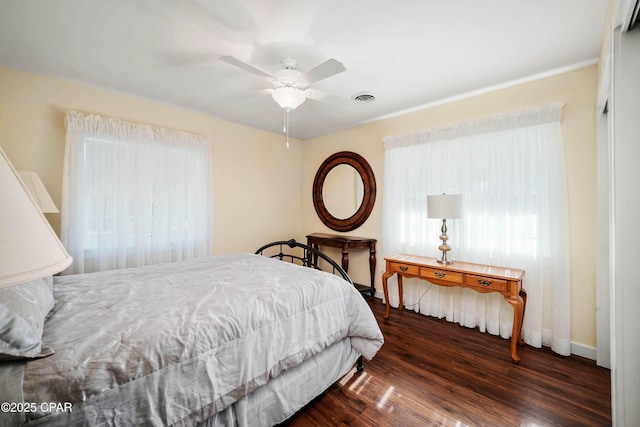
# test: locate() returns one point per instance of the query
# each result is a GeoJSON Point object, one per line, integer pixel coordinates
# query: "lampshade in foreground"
{"type": "Point", "coordinates": [443, 206]}
{"type": "Point", "coordinates": [29, 248]}
{"type": "Point", "coordinates": [38, 191]}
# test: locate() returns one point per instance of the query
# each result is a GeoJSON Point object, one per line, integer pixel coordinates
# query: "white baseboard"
{"type": "Point", "coordinates": [583, 351]}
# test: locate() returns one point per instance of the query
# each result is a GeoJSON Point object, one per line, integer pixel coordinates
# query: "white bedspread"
{"type": "Point", "coordinates": [175, 343]}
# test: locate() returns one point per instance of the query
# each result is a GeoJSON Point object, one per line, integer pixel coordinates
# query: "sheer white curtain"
{"type": "Point", "coordinates": [134, 194]}
{"type": "Point", "coordinates": [510, 171]}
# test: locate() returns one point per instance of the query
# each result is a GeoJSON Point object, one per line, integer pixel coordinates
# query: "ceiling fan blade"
{"type": "Point", "coordinates": [328, 68]}
{"type": "Point", "coordinates": [319, 95]}
{"type": "Point", "coordinates": [243, 65]}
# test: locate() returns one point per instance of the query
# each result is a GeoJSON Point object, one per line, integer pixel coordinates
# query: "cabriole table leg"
{"type": "Point", "coordinates": [385, 289]}
{"type": "Point", "coordinates": [518, 313]}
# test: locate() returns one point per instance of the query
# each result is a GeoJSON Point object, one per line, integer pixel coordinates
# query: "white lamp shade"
{"type": "Point", "coordinates": [38, 191]}
{"type": "Point", "coordinates": [288, 98]}
{"type": "Point", "coordinates": [29, 248]}
{"type": "Point", "coordinates": [444, 206]}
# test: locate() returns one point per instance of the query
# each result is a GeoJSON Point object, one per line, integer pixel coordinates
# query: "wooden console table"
{"type": "Point", "coordinates": [480, 278]}
{"type": "Point", "coordinates": [347, 243]}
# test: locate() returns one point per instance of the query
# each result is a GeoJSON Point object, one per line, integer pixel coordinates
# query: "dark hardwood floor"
{"type": "Point", "coordinates": [434, 373]}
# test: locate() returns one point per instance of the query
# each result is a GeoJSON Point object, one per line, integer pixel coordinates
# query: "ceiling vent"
{"type": "Point", "coordinates": [363, 97]}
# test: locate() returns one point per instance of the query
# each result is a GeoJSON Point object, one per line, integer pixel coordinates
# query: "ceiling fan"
{"type": "Point", "coordinates": [290, 86]}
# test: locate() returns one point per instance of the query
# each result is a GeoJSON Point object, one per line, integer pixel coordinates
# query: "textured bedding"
{"type": "Point", "coordinates": [174, 344]}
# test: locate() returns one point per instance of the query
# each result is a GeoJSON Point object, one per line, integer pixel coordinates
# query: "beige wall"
{"type": "Point", "coordinates": [257, 195]}
{"type": "Point", "coordinates": [576, 88]}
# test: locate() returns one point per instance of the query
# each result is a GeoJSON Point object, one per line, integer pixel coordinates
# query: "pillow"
{"type": "Point", "coordinates": [23, 309]}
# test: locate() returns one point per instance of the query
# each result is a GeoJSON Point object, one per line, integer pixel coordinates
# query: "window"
{"type": "Point", "coordinates": [511, 174]}
{"type": "Point", "coordinates": [135, 195]}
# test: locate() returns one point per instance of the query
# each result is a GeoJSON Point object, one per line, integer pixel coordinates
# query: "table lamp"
{"type": "Point", "coordinates": [29, 248]}
{"type": "Point", "coordinates": [444, 206]}
{"type": "Point", "coordinates": [38, 191]}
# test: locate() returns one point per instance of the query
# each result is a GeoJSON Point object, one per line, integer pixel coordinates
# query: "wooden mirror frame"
{"type": "Point", "coordinates": [368, 200]}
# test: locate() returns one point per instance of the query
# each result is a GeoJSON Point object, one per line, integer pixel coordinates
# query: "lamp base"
{"type": "Point", "coordinates": [444, 247]}
{"type": "Point", "coordinates": [444, 260]}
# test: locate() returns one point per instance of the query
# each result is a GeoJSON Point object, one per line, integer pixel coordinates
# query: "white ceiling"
{"type": "Point", "coordinates": [407, 53]}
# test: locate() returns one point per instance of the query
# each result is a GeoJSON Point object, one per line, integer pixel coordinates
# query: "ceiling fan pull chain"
{"type": "Point", "coordinates": [284, 122]}
{"type": "Point", "coordinates": [286, 125]}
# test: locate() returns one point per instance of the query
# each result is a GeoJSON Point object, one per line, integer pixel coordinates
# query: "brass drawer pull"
{"type": "Point", "coordinates": [439, 274]}
{"type": "Point", "coordinates": [403, 268]}
{"type": "Point", "coordinates": [484, 282]}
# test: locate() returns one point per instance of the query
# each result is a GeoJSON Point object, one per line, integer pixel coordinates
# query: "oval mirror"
{"type": "Point", "coordinates": [344, 191]}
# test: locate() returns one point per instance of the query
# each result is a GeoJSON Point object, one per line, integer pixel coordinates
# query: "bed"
{"type": "Point", "coordinates": [238, 339]}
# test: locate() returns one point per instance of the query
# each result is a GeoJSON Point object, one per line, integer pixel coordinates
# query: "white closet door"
{"type": "Point", "coordinates": [625, 247]}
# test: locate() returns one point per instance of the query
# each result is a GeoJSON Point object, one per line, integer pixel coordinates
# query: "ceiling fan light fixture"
{"type": "Point", "coordinates": [288, 98]}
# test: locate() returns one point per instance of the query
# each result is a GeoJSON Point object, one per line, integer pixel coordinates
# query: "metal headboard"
{"type": "Point", "coordinates": [307, 259]}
